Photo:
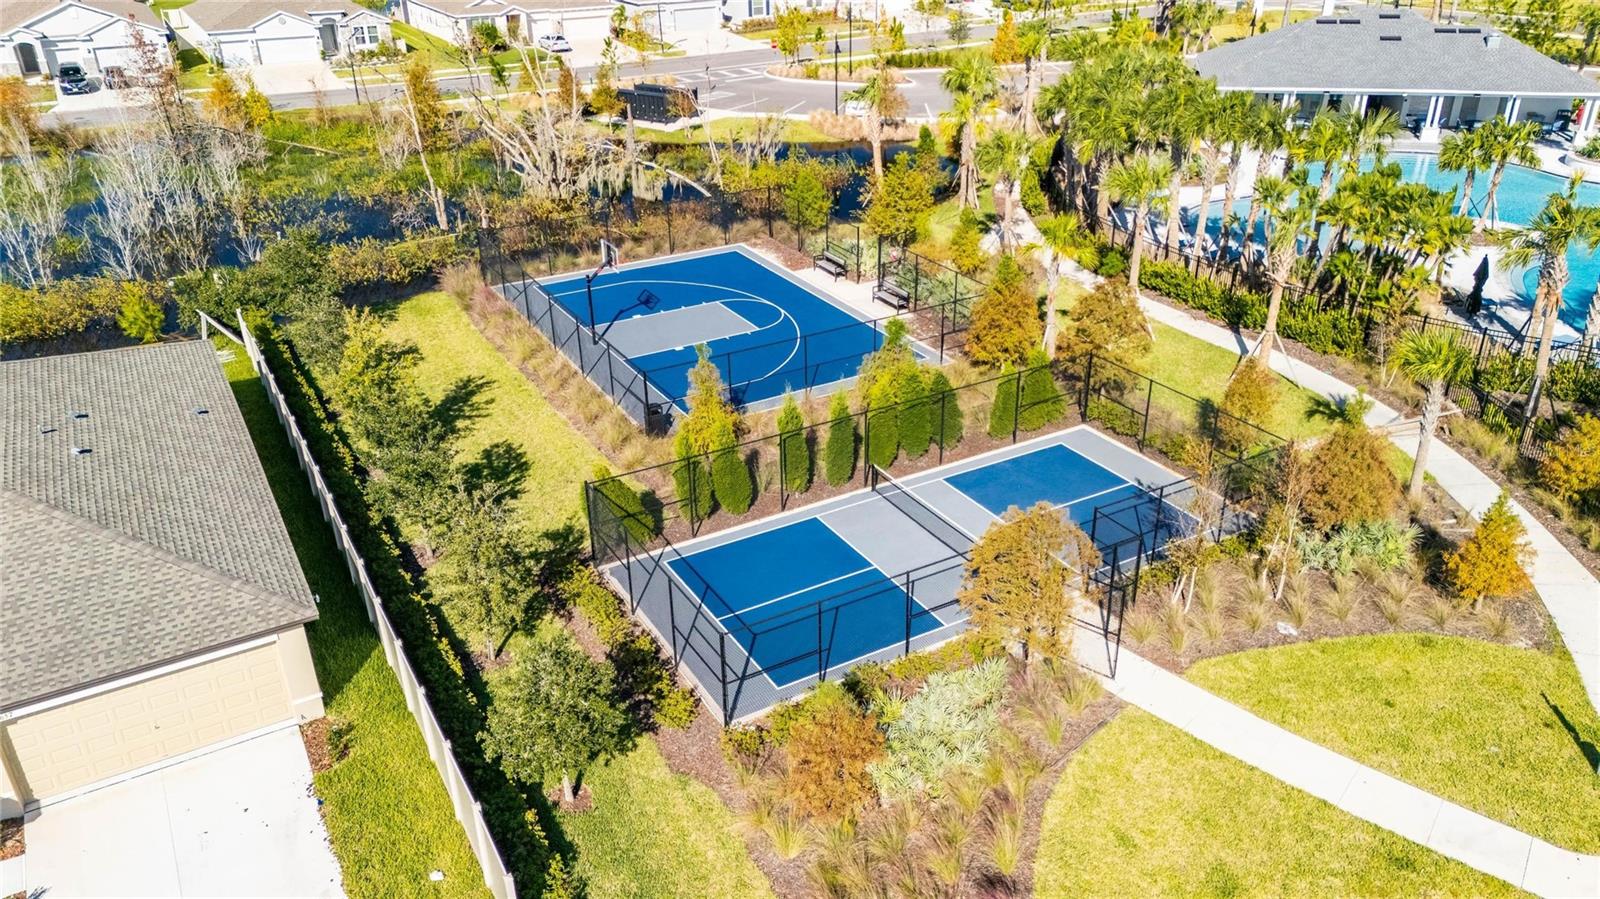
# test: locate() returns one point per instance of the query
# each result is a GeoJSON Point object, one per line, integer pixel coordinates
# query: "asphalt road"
{"type": "Point", "coordinates": [735, 82]}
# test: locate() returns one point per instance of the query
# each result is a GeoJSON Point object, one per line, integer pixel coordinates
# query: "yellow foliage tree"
{"type": "Point", "coordinates": [1005, 324]}
{"type": "Point", "coordinates": [828, 757]}
{"type": "Point", "coordinates": [1492, 563]}
{"type": "Point", "coordinates": [1018, 580]}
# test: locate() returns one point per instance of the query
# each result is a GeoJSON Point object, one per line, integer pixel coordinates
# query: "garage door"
{"type": "Point", "coordinates": [116, 56]}
{"type": "Point", "coordinates": [102, 736]}
{"type": "Point", "coordinates": [237, 53]}
{"type": "Point", "coordinates": [289, 49]}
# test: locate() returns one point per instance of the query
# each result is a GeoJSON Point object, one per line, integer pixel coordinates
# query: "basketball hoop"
{"type": "Point", "coordinates": [610, 258]}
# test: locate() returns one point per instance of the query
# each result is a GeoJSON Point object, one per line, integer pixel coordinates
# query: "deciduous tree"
{"type": "Point", "coordinates": [828, 754]}
{"type": "Point", "coordinates": [1005, 325]}
{"type": "Point", "coordinates": [1492, 563]}
{"type": "Point", "coordinates": [1021, 578]}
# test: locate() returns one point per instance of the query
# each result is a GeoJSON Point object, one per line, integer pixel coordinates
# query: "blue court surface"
{"type": "Point", "coordinates": [767, 331]}
{"type": "Point", "coordinates": [819, 589]}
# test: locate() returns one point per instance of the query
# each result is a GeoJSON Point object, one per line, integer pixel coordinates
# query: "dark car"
{"type": "Point", "coordinates": [73, 79]}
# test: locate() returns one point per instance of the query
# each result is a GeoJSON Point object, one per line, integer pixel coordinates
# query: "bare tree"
{"type": "Point", "coordinates": [33, 208]}
{"type": "Point", "coordinates": [419, 99]}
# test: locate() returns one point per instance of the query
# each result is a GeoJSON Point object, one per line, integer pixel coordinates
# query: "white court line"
{"type": "Point", "coordinates": [803, 589]}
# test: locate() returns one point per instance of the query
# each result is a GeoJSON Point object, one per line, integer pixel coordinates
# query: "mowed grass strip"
{"type": "Point", "coordinates": [388, 816]}
{"type": "Point", "coordinates": [1144, 809]}
{"type": "Point", "coordinates": [508, 408]}
{"type": "Point", "coordinates": [1504, 731]}
{"type": "Point", "coordinates": [651, 833]}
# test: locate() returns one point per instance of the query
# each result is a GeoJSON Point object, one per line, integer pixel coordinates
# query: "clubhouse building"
{"type": "Point", "coordinates": [1432, 76]}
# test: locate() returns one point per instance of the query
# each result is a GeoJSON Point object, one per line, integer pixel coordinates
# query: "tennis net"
{"type": "Point", "coordinates": [935, 523]}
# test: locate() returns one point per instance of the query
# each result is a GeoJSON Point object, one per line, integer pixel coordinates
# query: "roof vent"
{"type": "Point", "coordinates": [1327, 21]}
{"type": "Point", "coordinates": [1392, 38]}
{"type": "Point", "coordinates": [1444, 31]}
{"type": "Point", "coordinates": [1470, 30]}
{"type": "Point", "coordinates": [1349, 21]}
{"type": "Point", "coordinates": [1491, 40]}
{"type": "Point", "coordinates": [47, 429]}
{"type": "Point", "coordinates": [201, 410]}
{"type": "Point", "coordinates": [1388, 15]}
{"type": "Point", "coordinates": [81, 451]}
{"type": "Point", "coordinates": [78, 416]}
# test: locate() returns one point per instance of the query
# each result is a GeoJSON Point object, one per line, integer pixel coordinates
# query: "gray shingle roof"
{"type": "Point", "coordinates": [16, 12]}
{"type": "Point", "coordinates": [163, 540]}
{"type": "Point", "coordinates": [231, 15]}
{"type": "Point", "coordinates": [1356, 51]}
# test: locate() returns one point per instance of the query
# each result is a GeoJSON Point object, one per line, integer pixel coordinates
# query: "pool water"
{"type": "Point", "coordinates": [1522, 194]}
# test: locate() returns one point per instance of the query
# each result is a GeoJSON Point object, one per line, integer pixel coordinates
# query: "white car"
{"type": "Point", "coordinates": [554, 43]}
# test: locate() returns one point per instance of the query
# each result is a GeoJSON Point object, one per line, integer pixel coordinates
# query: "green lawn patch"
{"type": "Point", "coordinates": [509, 408]}
{"type": "Point", "coordinates": [1504, 731]}
{"type": "Point", "coordinates": [386, 809]}
{"type": "Point", "coordinates": [723, 129]}
{"type": "Point", "coordinates": [659, 834]}
{"type": "Point", "coordinates": [1203, 370]}
{"type": "Point", "coordinates": [651, 833]}
{"type": "Point", "coordinates": [160, 6]}
{"type": "Point", "coordinates": [946, 216]}
{"type": "Point", "coordinates": [442, 54]}
{"type": "Point", "coordinates": [194, 70]}
{"type": "Point", "coordinates": [1144, 809]}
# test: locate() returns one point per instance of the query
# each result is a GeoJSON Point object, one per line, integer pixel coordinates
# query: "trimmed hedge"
{"type": "Point", "coordinates": [1332, 331]}
{"type": "Point", "coordinates": [521, 842]}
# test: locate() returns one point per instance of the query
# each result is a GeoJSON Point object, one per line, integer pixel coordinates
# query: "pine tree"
{"type": "Point", "coordinates": [839, 456]}
{"type": "Point", "coordinates": [692, 480]}
{"type": "Point", "coordinates": [1042, 402]}
{"type": "Point", "coordinates": [916, 420]}
{"type": "Point", "coordinates": [883, 426]}
{"type": "Point", "coordinates": [730, 476]}
{"type": "Point", "coordinates": [1492, 563]}
{"type": "Point", "coordinates": [1003, 414]}
{"type": "Point", "coordinates": [795, 448]}
{"type": "Point", "coordinates": [944, 412]}
{"type": "Point", "coordinates": [1250, 398]}
{"type": "Point", "coordinates": [1005, 320]}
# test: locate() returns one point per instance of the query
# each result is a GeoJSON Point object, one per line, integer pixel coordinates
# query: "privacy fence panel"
{"type": "Point", "coordinates": [468, 812]}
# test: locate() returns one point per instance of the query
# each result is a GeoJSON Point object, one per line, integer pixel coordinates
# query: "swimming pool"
{"type": "Point", "coordinates": [1521, 196]}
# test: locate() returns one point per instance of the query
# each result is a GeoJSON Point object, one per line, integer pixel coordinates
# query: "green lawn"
{"type": "Point", "coordinates": [946, 216]}
{"type": "Point", "coordinates": [1144, 809]}
{"type": "Point", "coordinates": [161, 6]}
{"type": "Point", "coordinates": [1500, 730]}
{"type": "Point", "coordinates": [442, 54]}
{"type": "Point", "coordinates": [1202, 370]}
{"type": "Point", "coordinates": [658, 834]}
{"type": "Point", "coordinates": [194, 70]}
{"type": "Point", "coordinates": [651, 833]}
{"type": "Point", "coordinates": [509, 408]}
{"type": "Point", "coordinates": [386, 809]}
{"type": "Point", "coordinates": [723, 129]}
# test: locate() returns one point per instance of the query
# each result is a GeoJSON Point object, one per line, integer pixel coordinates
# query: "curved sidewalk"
{"type": "Point", "coordinates": [1569, 591]}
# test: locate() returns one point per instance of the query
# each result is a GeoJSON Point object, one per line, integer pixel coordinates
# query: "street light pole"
{"type": "Point", "coordinates": [836, 75]}
{"type": "Point", "coordinates": [850, 29]}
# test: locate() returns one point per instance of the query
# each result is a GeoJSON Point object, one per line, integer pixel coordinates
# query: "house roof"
{"type": "Point", "coordinates": [238, 15]}
{"type": "Point", "coordinates": [14, 13]}
{"type": "Point", "coordinates": [161, 541]}
{"type": "Point", "coordinates": [463, 9]}
{"type": "Point", "coordinates": [1388, 51]}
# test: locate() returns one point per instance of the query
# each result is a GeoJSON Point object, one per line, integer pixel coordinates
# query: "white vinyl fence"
{"type": "Point", "coordinates": [467, 809]}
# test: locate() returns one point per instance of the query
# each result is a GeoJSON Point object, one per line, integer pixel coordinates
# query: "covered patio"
{"type": "Point", "coordinates": [1432, 77]}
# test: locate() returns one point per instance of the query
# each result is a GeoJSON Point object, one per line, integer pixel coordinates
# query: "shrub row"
{"type": "Point", "coordinates": [1324, 331]}
{"type": "Point", "coordinates": [643, 677]}
{"type": "Point", "coordinates": [521, 841]}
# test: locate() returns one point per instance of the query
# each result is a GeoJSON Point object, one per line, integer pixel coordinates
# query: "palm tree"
{"type": "Point", "coordinates": [1271, 192]}
{"type": "Point", "coordinates": [1561, 224]}
{"type": "Point", "coordinates": [1290, 222]}
{"type": "Point", "coordinates": [881, 100]}
{"type": "Point", "coordinates": [1059, 235]}
{"type": "Point", "coordinates": [1005, 155]}
{"type": "Point", "coordinates": [1179, 109]}
{"type": "Point", "coordinates": [1141, 183]}
{"type": "Point", "coordinates": [971, 82]}
{"type": "Point", "coordinates": [1034, 41]}
{"type": "Point", "coordinates": [1591, 324]}
{"type": "Point", "coordinates": [1503, 144]}
{"type": "Point", "coordinates": [1369, 134]}
{"type": "Point", "coordinates": [1437, 361]}
{"type": "Point", "coordinates": [1462, 151]}
{"type": "Point", "coordinates": [1237, 121]}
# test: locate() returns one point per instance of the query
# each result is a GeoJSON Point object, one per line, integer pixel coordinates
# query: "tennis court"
{"type": "Point", "coordinates": [767, 330]}
{"type": "Point", "coordinates": [773, 606]}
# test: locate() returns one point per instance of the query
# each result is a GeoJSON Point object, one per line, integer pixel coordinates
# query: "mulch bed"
{"type": "Point", "coordinates": [12, 843]}
{"type": "Point", "coordinates": [315, 735]}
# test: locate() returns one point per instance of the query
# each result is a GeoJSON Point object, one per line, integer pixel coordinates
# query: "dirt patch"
{"type": "Point", "coordinates": [12, 843]}
{"type": "Point", "coordinates": [582, 799]}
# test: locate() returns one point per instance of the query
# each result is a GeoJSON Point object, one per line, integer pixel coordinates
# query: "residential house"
{"type": "Point", "coordinates": [153, 603]}
{"type": "Point", "coordinates": [269, 32]}
{"type": "Point", "coordinates": [38, 36]}
{"type": "Point", "coordinates": [521, 21]}
{"type": "Point", "coordinates": [1429, 74]}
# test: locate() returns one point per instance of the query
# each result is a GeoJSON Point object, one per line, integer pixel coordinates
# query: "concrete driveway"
{"type": "Point", "coordinates": [237, 821]}
{"type": "Point", "coordinates": [293, 77]}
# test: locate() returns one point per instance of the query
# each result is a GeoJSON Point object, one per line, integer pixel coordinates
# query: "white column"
{"type": "Point", "coordinates": [1430, 122]}
{"type": "Point", "coordinates": [1586, 122]}
{"type": "Point", "coordinates": [1258, 8]}
{"type": "Point", "coordinates": [1288, 100]}
{"type": "Point", "coordinates": [1327, 7]}
{"type": "Point", "coordinates": [1513, 109]}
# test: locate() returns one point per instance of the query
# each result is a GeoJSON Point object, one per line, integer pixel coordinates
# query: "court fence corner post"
{"type": "Point", "coordinates": [908, 588]}
{"type": "Point", "coordinates": [1144, 429]}
{"type": "Point", "coordinates": [722, 676]}
{"type": "Point", "coordinates": [1088, 379]}
{"type": "Point", "coordinates": [1016, 406]}
{"type": "Point", "coordinates": [866, 451]}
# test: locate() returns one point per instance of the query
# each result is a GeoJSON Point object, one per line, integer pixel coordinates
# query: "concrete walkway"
{"type": "Point", "coordinates": [1375, 797]}
{"type": "Point", "coordinates": [1569, 591]}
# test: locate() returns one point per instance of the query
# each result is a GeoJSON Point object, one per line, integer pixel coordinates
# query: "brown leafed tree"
{"type": "Point", "coordinates": [1005, 323]}
{"type": "Point", "coordinates": [828, 757]}
{"type": "Point", "coordinates": [1109, 323]}
{"type": "Point", "coordinates": [1021, 578]}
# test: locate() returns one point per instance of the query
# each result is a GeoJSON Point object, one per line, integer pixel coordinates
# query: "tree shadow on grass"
{"type": "Point", "coordinates": [500, 469]}
{"type": "Point", "coordinates": [462, 402]}
{"type": "Point", "coordinates": [1591, 753]}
